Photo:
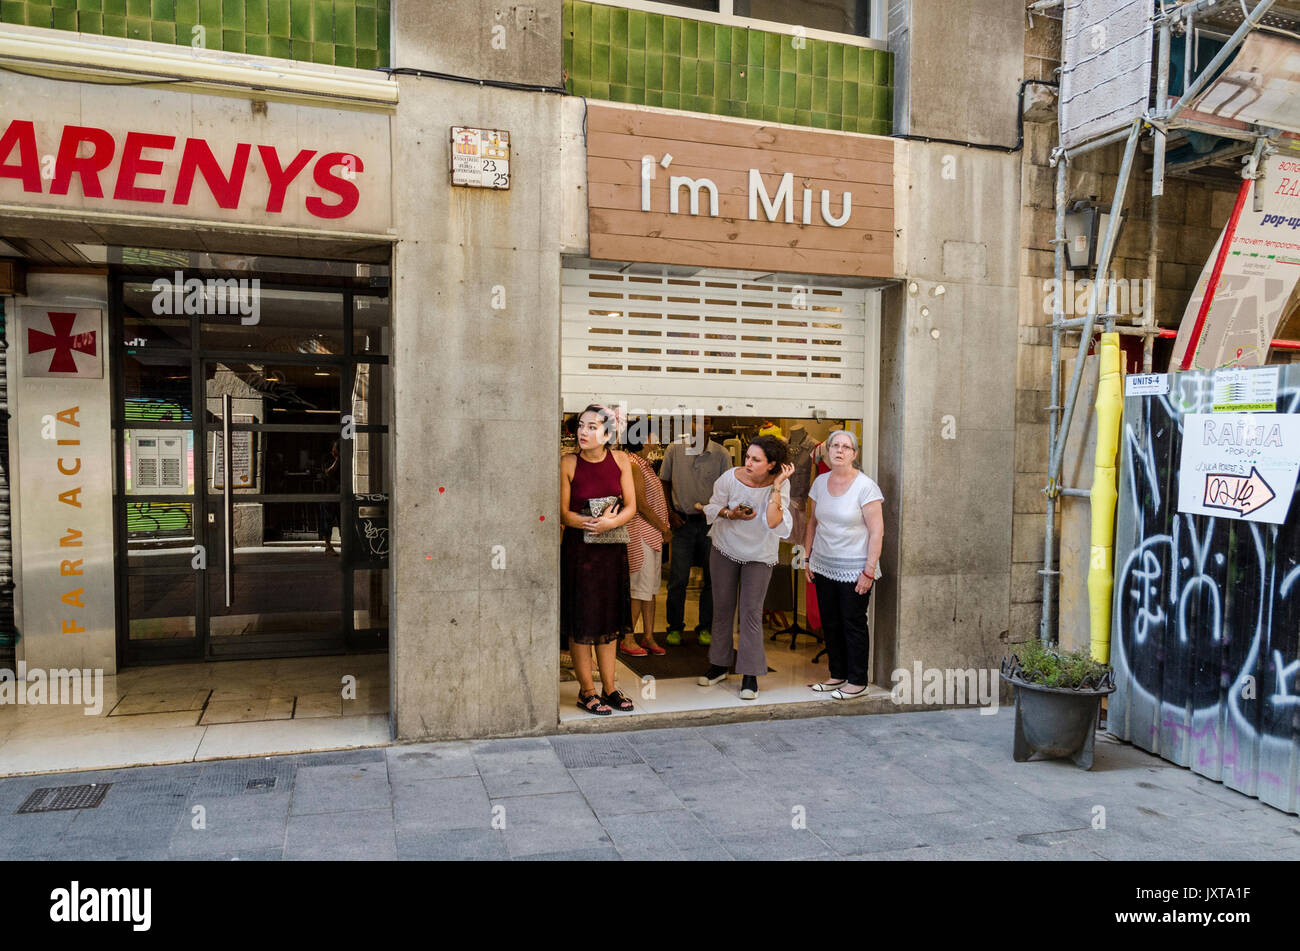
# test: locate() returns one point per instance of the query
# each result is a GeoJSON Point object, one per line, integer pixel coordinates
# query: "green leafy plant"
{"type": "Point", "coordinates": [1075, 669]}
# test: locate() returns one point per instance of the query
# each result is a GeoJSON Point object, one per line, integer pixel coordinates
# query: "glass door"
{"type": "Point", "coordinates": [274, 528]}
{"type": "Point", "coordinates": [289, 555]}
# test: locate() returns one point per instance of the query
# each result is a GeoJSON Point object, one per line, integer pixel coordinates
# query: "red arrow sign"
{"type": "Point", "coordinates": [1237, 493]}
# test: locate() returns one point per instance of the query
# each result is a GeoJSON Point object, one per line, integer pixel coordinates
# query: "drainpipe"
{"type": "Point", "coordinates": [1054, 410]}
{"type": "Point", "coordinates": [1101, 570]}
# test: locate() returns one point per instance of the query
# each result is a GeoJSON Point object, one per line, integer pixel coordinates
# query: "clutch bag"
{"type": "Point", "coordinates": [615, 536]}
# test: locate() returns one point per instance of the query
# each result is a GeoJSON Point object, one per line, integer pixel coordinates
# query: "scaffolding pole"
{"type": "Point", "coordinates": [1058, 425]}
{"type": "Point", "coordinates": [1054, 410]}
{"type": "Point", "coordinates": [1159, 141]}
{"type": "Point", "coordinates": [1057, 457]}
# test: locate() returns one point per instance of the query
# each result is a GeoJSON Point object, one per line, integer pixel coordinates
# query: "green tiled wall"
{"type": "Point", "coordinates": [336, 32]}
{"type": "Point", "coordinates": [654, 60]}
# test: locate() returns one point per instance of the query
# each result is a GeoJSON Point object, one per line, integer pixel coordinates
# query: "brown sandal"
{"type": "Point", "coordinates": [592, 703]}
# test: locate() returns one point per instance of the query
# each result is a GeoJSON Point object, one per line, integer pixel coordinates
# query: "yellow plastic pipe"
{"type": "Point", "coordinates": [1110, 407]}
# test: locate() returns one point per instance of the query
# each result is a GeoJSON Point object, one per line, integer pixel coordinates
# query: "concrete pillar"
{"type": "Point", "coordinates": [957, 67]}
{"type": "Point", "coordinates": [476, 391]}
{"type": "Point", "coordinates": [948, 411]}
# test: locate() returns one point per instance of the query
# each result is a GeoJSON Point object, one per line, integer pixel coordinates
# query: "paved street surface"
{"type": "Point", "coordinates": [939, 785]}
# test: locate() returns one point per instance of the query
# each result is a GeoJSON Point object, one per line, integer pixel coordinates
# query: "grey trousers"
{"type": "Point", "coordinates": [750, 579]}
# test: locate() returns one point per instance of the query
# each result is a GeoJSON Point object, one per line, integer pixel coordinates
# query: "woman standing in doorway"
{"type": "Point", "coordinates": [750, 514]}
{"type": "Point", "coordinates": [594, 594]}
{"type": "Point", "coordinates": [845, 532]}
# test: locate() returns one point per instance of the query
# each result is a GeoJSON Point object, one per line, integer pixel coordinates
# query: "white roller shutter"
{"type": "Point", "coordinates": [715, 341]}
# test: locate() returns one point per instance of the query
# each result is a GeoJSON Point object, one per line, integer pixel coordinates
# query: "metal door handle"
{"type": "Point", "coordinates": [227, 502]}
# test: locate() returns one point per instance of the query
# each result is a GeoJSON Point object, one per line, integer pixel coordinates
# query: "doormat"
{"type": "Point", "coordinates": [689, 659]}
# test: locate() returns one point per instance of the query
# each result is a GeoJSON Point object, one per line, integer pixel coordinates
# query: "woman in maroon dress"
{"type": "Point", "coordinates": [595, 605]}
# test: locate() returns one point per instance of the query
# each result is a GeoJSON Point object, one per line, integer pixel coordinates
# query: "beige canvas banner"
{"type": "Point", "coordinates": [1261, 85]}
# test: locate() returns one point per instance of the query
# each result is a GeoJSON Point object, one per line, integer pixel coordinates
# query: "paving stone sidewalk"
{"type": "Point", "coordinates": [937, 785]}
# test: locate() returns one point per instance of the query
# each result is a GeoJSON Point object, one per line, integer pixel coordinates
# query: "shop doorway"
{"type": "Point", "coordinates": [795, 355]}
{"type": "Point", "coordinates": [668, 683]}
{"type": "Point", "coordinates": [251, 487]}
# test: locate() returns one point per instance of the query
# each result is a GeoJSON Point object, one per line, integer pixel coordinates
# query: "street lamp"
{"type": "Point", "coordinates": [1085, 223]}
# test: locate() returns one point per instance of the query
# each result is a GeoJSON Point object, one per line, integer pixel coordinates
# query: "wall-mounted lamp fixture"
{"type": "Point", "coordinates": [1085, 224]}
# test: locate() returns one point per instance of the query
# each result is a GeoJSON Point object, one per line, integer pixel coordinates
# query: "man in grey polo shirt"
{"type": "Point", "coordinates": [691, 465]}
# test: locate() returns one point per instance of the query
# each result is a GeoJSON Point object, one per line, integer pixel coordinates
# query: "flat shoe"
{"type": "Point", "coordinates": [828, 686]}
{"type": "Point", "coordinates": [841, 695]}
{"type": "Point", "coordinates": [638, 652]}
{"type": "Point", "coordinates": [709, 678]}
{"type": "Point", "coordinates": [655, 649]}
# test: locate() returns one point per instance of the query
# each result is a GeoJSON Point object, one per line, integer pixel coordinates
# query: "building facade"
{"type": "Point", "coordinates": [761, 212]}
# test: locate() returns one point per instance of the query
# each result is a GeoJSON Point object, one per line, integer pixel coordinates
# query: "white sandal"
{"type": "Point", "coordinates": [841, 695]}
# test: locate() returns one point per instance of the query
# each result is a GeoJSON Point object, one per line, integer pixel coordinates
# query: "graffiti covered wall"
{"type": "Point", "coordinates": [1206, 622]}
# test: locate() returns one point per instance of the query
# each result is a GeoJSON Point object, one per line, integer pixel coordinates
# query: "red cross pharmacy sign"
{"type": "Point", "coordinates": [62, 342]}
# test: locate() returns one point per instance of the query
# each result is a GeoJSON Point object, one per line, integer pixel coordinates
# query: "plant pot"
{"type": "Point", "coordinates": [1055, 722]}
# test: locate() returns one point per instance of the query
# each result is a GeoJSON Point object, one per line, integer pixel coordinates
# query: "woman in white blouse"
{"type": "Point", "coordinates": [845, 531]}
{"type": "Point", "coordinates": [750, 514]}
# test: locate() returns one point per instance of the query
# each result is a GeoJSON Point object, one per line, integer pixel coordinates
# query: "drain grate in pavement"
{"type": "Point", "coordinates": [577, 752]}
{"type": "Point", "coordinates": [232, 777]}
{"type": "Point", "coordinates": [263, 782]}
{"type": "Point", "coordinates": [57, 798]}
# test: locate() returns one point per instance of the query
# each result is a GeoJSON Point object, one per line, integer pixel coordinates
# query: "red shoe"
{"type": "Point", "coordinates": [639, 652]}
{"type": "Point", "coordinates": [653, 648]}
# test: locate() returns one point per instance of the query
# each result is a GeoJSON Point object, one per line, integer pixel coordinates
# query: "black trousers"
{"type": "Point", "coordinates": [844, 625]}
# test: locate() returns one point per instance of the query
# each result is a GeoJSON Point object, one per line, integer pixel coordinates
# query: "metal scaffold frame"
{"type": "Point", "coordinates": [1161, 118]}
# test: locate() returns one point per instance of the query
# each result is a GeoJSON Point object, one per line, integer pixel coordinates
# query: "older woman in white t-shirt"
{"type": "Point", "coordinates": [845, 531]}
{"type": "Point", "coordinates": [750, 514]}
